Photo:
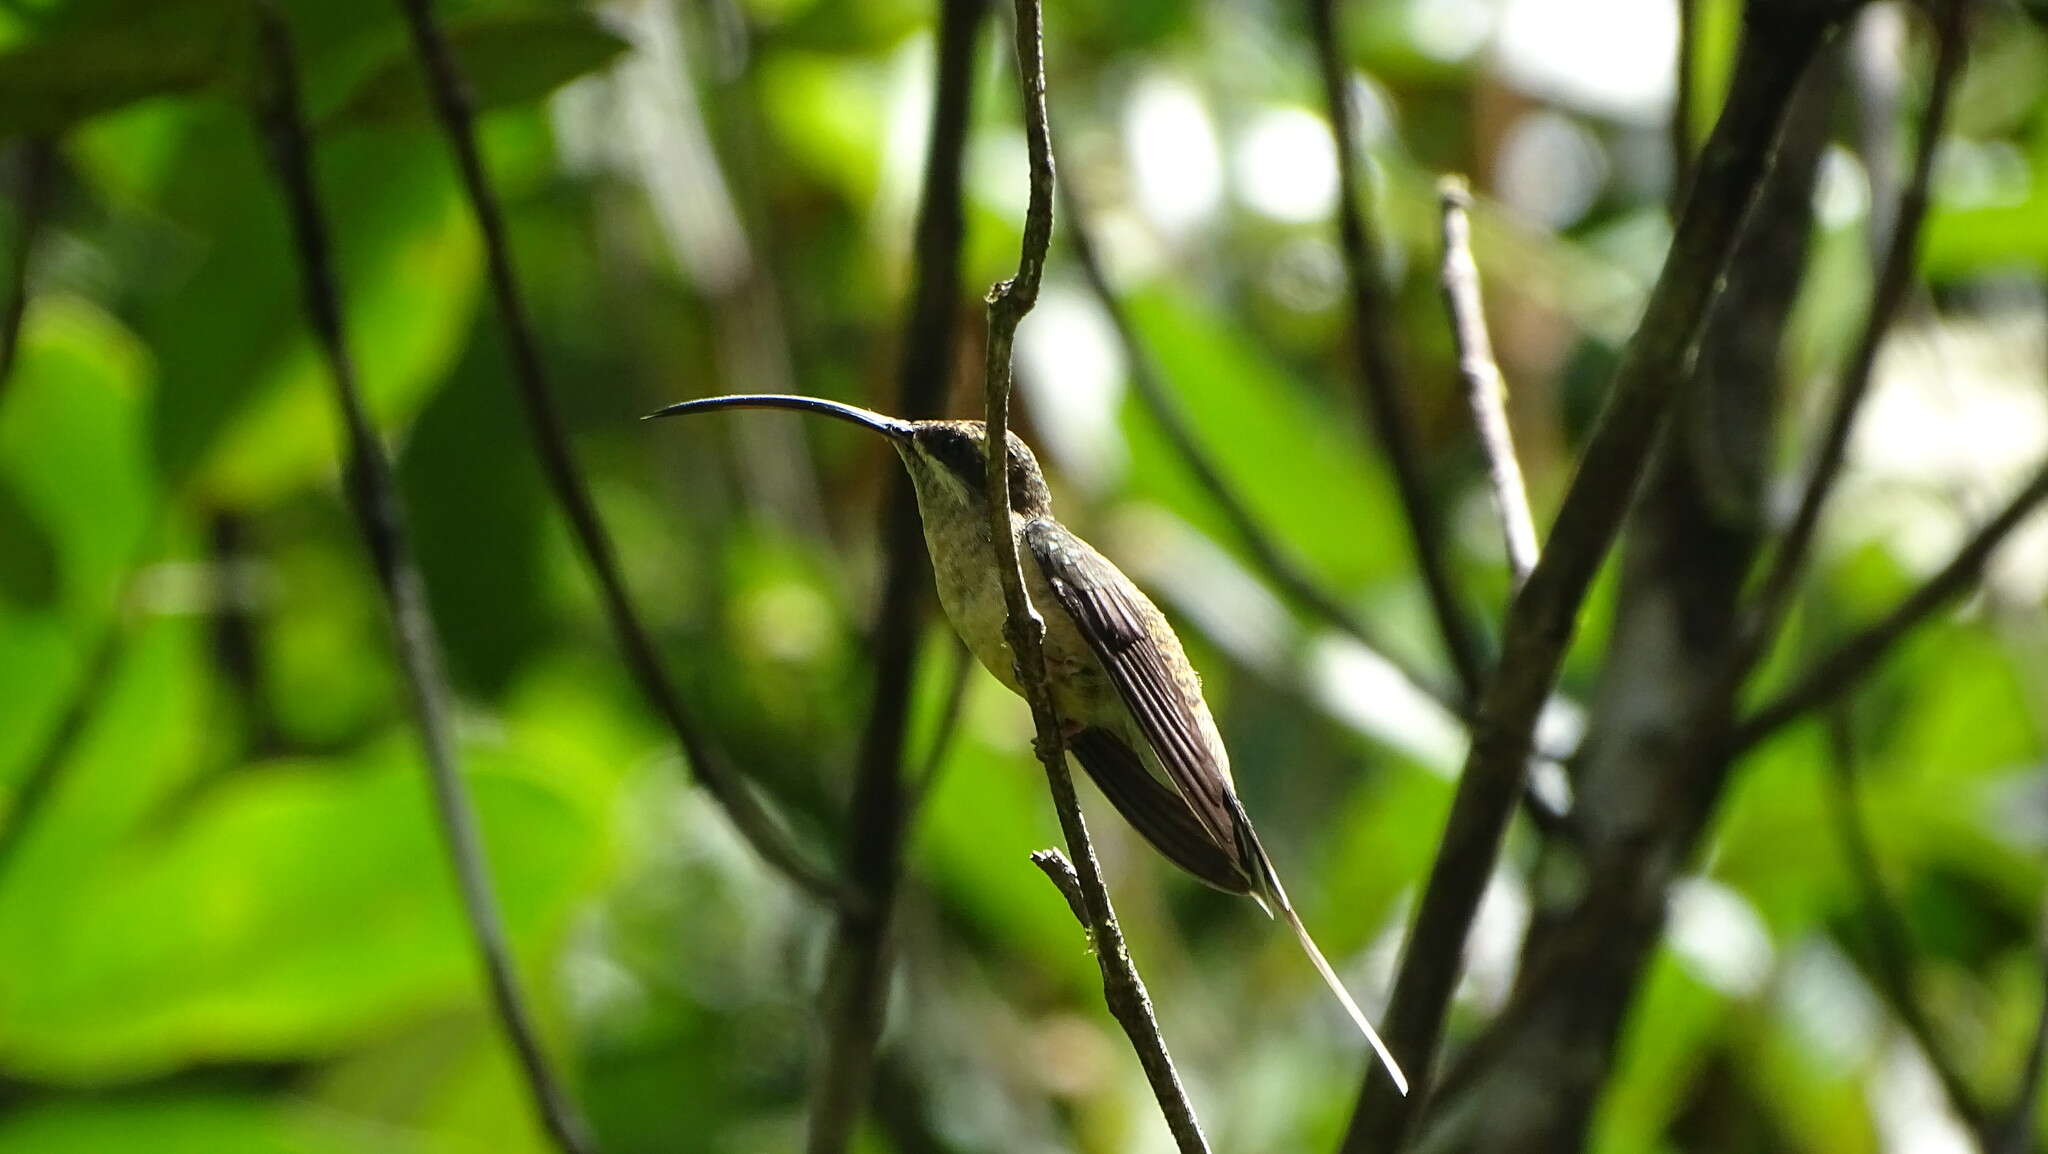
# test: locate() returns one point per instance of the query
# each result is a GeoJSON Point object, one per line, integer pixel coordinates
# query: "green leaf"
{"type": "Point", "coordinates": [505, 58]}
{"type": "Point", "coordinates": [72, 448]}
{"type": "Point", "coordinates": [196, 1124]}
{"type": "Point", "coordinates": [28, 561]}
{"type": "Point", "coordinates": [113, 54]}
{"type": "Point", "coordinates": [294, 909]}
{"type": "Point", "coordinates": [1300, 469]}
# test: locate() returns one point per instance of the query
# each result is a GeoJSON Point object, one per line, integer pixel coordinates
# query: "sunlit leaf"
{"type": "Point", "coordinates": [296, 907]}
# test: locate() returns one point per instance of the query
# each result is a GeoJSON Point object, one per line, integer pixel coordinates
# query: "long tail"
{"type": "Point", "coordinates": [1266, 884]}
{"type": "Point", "coordinates": [1308, 945]}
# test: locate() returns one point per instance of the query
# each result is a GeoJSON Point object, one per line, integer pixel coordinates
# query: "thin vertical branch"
{"type": "Point", "coordinates": [34, 789]}
{"type": "Point", "coordinates": [1486, 390]}
{"type": "Point", "coordinates": [31, 202]}
{"type": "Point", "coordinates": [37, 162]}
{"type": "Point", "coordinates": [1686, 79]}
{"type": "Point", "coordinates": [1891, 942]}
{"type": "Point", "coordinates": [1894, 282]}
{"type": "Point", "coordinates": [1779, 41]}
{"type": "Point", "coordinates": [374, 494]}
{"type": "Point", "coordinates": [2016, 1132]}
{"type": "Point", "coordinates": [856, 987]}
{"type": "Point", "coordinates": [1849, 661]}
{"type": "Point", "coordinates": [452, 106]}
{"type": "Point", "coordinates": [1271, 558]}
{"type": "Point", "coordinates": [1008, 302]}
{"type": "Point", "coordinates": [1373, 331]}
{"type": "Point", "coordinates": [926, 778]}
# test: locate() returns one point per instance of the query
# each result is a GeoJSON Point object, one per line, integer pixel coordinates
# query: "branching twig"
{"type": "Point", "coordinates": [32, 201]}
{"type": "Point", "coordinates": [856, 986]}
{"type": "Point", "coordinates": [1008, 302]}
{"type": "Point", "coordinates": [1891, 943]}
{"type": "Point", "coordinates": [1781, 38]}
{"type": "Point", "coordinates": [1849, 661]}
{"type": "Point", "coordinates": [374, 493]}
{"type": "Point", "coordinates": [1060, 872]}
{"type": "Point", "coordinates": [1373, 331]}
{"type": "Point", "coordinates": [1486, 390]}
{"type": "Point", "coordinates": [1272, 558]}
{"type": "Point", "coordinates": [1894, 282]}
{"type": "Point", "coordinates": [453, 108]}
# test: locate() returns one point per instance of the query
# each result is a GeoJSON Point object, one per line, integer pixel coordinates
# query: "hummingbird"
{"type": "Point", "coordinates": [1129, 702]}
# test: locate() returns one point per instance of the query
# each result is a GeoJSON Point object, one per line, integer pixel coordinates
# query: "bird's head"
{"type": "Point", "coordinates": [947, 460]}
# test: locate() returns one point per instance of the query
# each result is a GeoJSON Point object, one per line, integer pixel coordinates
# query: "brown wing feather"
{"type": "Point", "coordinates": [1154, 810]}
{"type": "Point", "coordinates": [1119, 627]}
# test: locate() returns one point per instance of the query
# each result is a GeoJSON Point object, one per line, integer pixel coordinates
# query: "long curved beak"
{"type": "Point", "coordinates": [889, 427]}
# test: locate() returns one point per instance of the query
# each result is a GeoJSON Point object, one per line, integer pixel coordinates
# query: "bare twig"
{"type": "Point", "coordinates": [1779, 42]}
{"type": "Point", "coordinates": [1008, 302]}
{"type": "Point", "coordinates": [1486, 390]}
{"type": "Point", "coordinates": [551, 440]}
{"type": "Point", "coordinates": [374, 494]}
{"type": "Point", "coordinates": [1271, 557]}
{"type": "Point", "coordinates": [1373, 330]}
{"type": "Point", "coordinates": [37, 160]}
{"type": "Point", "coordinates": [1060, 872]}
{"type": "Point", "coordinates": [856, 987]}
{"type": "Point", "coordinates": [1894, 283]}
{"type": "Point", "coordinates": [1830, 676]}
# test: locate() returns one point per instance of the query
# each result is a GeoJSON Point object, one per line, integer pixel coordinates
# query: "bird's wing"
{"type": "Point", "coordinates": [1154, 810]}
{"type": "Point", "coordinates": [1121, 627]}
{"type": "Point", "coordinates": [1118, 625]}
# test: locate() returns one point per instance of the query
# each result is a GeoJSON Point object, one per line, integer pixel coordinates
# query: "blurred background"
{"type": "Point", "coordinates": [230, 925]}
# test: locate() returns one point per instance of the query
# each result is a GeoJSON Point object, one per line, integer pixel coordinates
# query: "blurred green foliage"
{"type": "Point", "coordinates": [231, 926]}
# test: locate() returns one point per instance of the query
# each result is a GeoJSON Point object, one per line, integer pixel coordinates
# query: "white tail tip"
{"type": "Point", "coordinates": [1343, 995]}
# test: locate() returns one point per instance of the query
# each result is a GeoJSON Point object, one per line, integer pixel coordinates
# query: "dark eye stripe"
{"type": "Point", "coordinates": [956, 451]}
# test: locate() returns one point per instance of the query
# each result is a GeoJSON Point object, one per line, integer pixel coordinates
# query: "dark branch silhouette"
{"type": "Point", "coordinates": [857, 978]}
{"type": "Point", "coordinates": [760, 828]}
{"type": "Point", "coordinates": [1847, 663]}
{"type": "Point", "coordinates": [1373, 341]}
{"type": "Point", "coordinates": [373, 493]}
{"type": "Point", "coordinates": [35, 787]}
{"type": "Point", "coordinates": [37, 161]}
{"type": "Point", "coordinates": [1779, 41]}
{"type": "Point", "coordinates": [1679, 128]}
{"type": "Point", "coordinates": [961, 667]}
{"type": "Point", "coordinates": [1894, 283]}
{"type": "Point", "coordinates": [1890, 941]}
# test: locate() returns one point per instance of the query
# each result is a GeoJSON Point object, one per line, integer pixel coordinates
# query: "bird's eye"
{"type": "Point", "coordinates": [955, 450]}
